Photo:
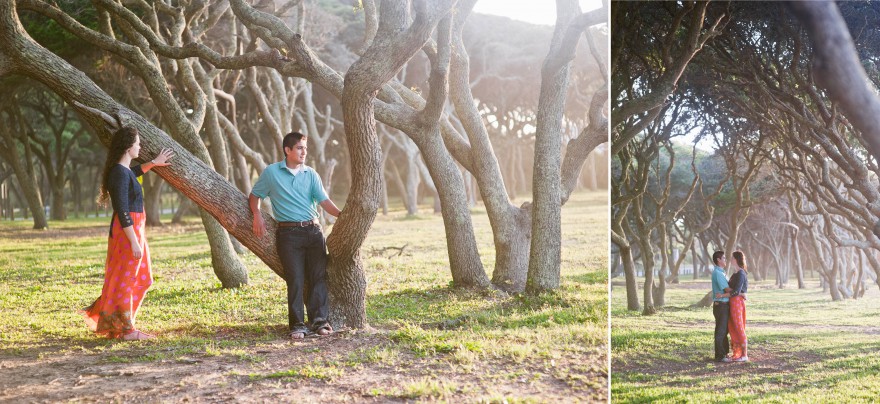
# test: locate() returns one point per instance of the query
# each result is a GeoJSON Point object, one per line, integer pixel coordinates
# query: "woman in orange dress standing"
{"type": "Point", "coordinates": [127, 273]}
{"type": "Point", "coordinates": [739, 285]}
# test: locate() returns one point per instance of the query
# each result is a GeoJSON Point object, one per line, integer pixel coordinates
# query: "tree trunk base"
{"type": "Point", "coordinates": [512, 254]}
{"type": "Point", "coordinates": [706, 301]}
{"type": "Point", "coordinates": [348, 286]}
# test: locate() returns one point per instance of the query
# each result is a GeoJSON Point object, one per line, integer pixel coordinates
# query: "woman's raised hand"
{"type": "Point", "coordinates": [162, 159]}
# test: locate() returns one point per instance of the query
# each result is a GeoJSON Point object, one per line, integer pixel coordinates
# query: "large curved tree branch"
{"type": "Point", "coordinates": [837, 68]}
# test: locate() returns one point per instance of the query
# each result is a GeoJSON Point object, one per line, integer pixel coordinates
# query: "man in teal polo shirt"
{"type": "Point", "coordinates": [720, 307]}
{"type": "Point", "coordinates": [295, 191]}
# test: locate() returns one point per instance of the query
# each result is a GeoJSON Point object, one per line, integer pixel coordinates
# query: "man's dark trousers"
{"type": "Point", "coordinates": [303, 255]}
{"type": "Point", "coordinates": [721, 310]}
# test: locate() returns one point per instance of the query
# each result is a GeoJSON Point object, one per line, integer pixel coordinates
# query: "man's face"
{"type": "Point", "coordinates": [297, 154]}
{"type": "Point", "coordinates": [722, 261]}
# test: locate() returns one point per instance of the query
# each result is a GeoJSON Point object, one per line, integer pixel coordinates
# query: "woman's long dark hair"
{"type": "Point", "coordinates": [122, 140]}
{"type": "Point", "coordinates": [740, 259]}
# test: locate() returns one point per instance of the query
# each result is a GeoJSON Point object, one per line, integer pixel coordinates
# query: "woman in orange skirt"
{"type": "Point", "coordinates": [736, 326]}
{"type": "Point", "coordinates": [127, 273]}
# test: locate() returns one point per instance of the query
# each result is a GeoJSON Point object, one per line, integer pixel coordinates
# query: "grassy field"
{"type": "Point", "coordinates": [427, 342]}
{"type": "Point", "coordinates": [803, 348]}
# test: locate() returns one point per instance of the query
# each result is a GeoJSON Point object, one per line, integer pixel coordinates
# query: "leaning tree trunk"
{"type": "Point", "coordinates": [706, 301]}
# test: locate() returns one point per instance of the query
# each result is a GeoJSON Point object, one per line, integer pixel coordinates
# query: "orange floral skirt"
{"type": "Point", "coordinates": [736, 326]}
{"type": "Point", "coordinates": [126, 281]}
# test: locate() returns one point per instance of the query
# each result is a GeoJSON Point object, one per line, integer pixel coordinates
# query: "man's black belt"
{"type": "Point", "coordinates": [297, 224]}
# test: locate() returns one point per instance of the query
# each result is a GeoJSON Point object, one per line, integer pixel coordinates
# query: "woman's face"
{"type": "Point", "coordinates": [135, 149]}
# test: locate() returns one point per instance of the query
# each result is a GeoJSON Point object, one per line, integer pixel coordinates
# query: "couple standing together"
{"type": "Point", "coordinates": [729, 308]}
{"type": "Point", "coordinates": [295, 191]}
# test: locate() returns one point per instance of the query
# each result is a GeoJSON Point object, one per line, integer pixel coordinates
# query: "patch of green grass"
{"type": "Point", "coordinates": [803, 348]}
{"type": "Point", "coordinates": [375, 354]}
{"type": "Point", "coordinates": [314, 371]}
{"type": "Point", "coordinates": [428, 388]}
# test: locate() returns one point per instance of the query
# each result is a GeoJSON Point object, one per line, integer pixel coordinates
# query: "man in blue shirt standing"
{"type": "Point", "coordinates": [720, 307]}
{"type": "Point", "coordinates": [295, 191]}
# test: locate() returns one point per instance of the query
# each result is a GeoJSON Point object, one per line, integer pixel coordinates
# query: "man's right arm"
{"type": "Point", "coordinates": [259, 226]}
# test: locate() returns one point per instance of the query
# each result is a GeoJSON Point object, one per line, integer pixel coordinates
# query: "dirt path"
{"type": "Point", "coordinates": [53, 373]}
